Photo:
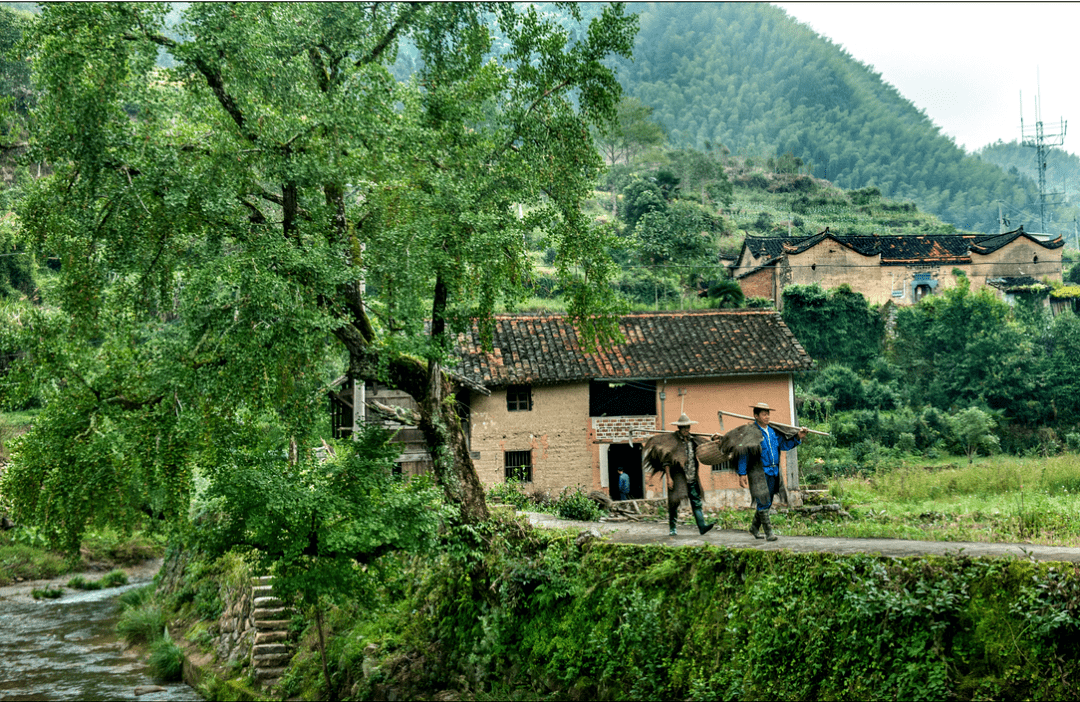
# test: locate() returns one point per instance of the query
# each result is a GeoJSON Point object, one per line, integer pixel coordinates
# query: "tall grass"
{"type": "Point", "coordinates": [999, 499]}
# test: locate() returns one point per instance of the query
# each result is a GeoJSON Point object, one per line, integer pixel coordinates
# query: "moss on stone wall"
{"type": "Point", "coordinates": [511, 612]}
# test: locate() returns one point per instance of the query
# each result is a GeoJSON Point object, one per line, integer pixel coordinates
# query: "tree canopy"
{"type": "Point", "coordinates": [275, 207]}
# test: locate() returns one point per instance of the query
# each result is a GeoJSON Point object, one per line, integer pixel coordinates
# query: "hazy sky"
{"type": "Point", "coordinates": [966, 63]}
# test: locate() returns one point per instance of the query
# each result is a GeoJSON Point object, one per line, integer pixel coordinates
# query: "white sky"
{"type": "Point", "coordinates": [966, 63]}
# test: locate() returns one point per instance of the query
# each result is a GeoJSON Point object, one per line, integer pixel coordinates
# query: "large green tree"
{"type": "Point", "coordinates": [276, 198]}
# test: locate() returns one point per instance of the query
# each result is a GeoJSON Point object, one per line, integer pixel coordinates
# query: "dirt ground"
{"type": "Point", "coordinates": [656, 533]}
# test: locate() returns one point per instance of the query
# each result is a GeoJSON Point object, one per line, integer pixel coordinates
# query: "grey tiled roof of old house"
{"type": "Point", "coordinates": [545, 349]}
{"type": "Point", "coordinates": [903, 249]}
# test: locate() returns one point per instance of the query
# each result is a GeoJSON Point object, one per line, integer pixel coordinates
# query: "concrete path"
{"type": "Point", "coordinates": [656, 533]}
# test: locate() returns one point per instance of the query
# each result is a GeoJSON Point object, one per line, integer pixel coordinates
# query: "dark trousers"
{"type": "Point", "coordinates": [771, 480]}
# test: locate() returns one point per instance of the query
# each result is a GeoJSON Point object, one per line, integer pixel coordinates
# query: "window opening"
{"type": "Point", "coordinates": [519, 466]}
{"type": "Point", "coordinates": [518, 398]}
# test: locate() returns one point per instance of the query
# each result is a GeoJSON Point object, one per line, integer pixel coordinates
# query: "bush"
{"type": "Point", "coordinates": [574, 503]}
{"type": "Point", "coordinates": [1072, 441]}
{"type": "Point", "coordinates": [114, 578]}
{"type": "Point", "coordinates": [136, 597]}
{"type": "Point", "coordinates": [81, 583]}
{"type": "Point", "coordinates": [48, 593]}
{"type": "Point", "coordinates": [511, 492]}
{"type": "Point", "coordinates": [166, 660]}
{"type": "Point", "coordinates": [144, 624]}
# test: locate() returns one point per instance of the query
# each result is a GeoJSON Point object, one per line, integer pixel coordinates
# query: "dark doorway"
{"type": "Point", "coordinates": [628, 458]}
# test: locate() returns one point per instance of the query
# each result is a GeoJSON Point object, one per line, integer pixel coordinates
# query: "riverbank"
{"type": "Point", "coordinates": [68, 648]}
{"type": "Point", "coordinates": [138, 573]}
{"type": "Point", "coordinates": [25, 557]}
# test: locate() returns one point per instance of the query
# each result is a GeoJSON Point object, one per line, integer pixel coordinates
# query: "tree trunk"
{"type": "Point", "coordinates": [451, 460]}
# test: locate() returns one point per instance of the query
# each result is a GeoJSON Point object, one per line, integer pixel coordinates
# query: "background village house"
{"type": "Point", "coordinates": [902, 269]}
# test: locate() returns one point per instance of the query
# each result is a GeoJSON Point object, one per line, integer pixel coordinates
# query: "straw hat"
{"type": "Point", "coordinates": [683, 421]}
{"type": "Point", "coordinates": [761, 406]}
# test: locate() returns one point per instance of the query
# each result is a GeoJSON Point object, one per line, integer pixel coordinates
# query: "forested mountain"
{"type": "Point", "coordinates": [1062, 169]}
{"type": "Point", "coordinates": [748, 76]}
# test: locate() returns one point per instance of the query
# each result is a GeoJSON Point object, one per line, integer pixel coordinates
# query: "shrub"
{"type": "Point", "coordinates": [81, 583]}
{"type": "Point", "coordinates": [136, 597]}
{"type": "Point", "coordinates": [114, 578]}
{"type": "Point", "coordinates": [48, 593]}
{"type": "Point", "coordinates": [574, 503]}
{"type": "Point", "coordinates": [511, 492]}
{"type": "Point", "coordinates": [1072, 441]}
{"type": "Point", "coordinates": [143, 624]}
{"type": "Point", "coordinates": [166, 660]}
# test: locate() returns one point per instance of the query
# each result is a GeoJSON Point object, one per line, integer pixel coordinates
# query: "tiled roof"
{"type": "Point", "coordinates": [898, 250]}
{"type": "Point", "coordinates": [544, 349]}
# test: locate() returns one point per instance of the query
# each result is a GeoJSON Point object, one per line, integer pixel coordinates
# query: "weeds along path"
{"type": "Point", "coordinates": [656, 533]}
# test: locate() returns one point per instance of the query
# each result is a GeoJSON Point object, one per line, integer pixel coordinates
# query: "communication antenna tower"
{"type": "Point", "coordinates": [1036, 138]}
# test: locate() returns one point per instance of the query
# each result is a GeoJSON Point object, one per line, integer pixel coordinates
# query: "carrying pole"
{"type": "Point", "coordinates": [785, 426]}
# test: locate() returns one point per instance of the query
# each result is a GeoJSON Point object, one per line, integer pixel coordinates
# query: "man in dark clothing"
{"type": "Point", "coordinates": [676, 455]}
{"type": "Point", "coordinates": [624, 485]}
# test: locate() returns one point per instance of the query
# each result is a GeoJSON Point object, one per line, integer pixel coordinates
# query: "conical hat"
{"type": "Point", "coordinates": [683, 421]}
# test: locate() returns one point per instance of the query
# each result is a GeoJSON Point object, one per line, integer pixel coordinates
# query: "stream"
{"type": "Point", "coordinates": [66, 649]}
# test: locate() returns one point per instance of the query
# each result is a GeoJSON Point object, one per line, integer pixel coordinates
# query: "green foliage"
{"type": "Point", "coordinates": [611, 621]}
{"type": "Point", "coordinates": [972, 430]}
{"type": "Point", "coordinates": [47, 593]}
{"type": "Point", "coordinates": [574, 503]}
{"type": "Point", "coordinates": [962, 348]}
{"type": "Point", "coordinates": [81, 583]}
{"type": "Point", "coordinates": [835, 326]}
{"type": "Point", "coordinates": [726, 294]}
{"type": "Point", "coordinates": [316, 525]}
{"type": "Point", "coordinates": [136, 597]}
{"type": "Point", "coordinates": [213, 219]}
{"type": "Point", "coordinates": [141, 625]}
{"type": "Point", "coordinates": [114, 578]}
{"type": "Point", "coordinates": [166, 660]}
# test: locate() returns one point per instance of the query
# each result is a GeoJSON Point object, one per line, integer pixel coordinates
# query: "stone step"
{"type": "Point", "coordinates": [269, 637]}
{"type": "Point", "coordinates": [263, 649]}
{"type": "Point", "coordinates": [262, 580]}
{"type": "Point", "coordinates": [267, 602]}
{"type": "Point", "coordinates": [265, 673]}
{"type": "Point", "coordinates": [272, 624]}
{"type": "Point", "coordinates": [273, 660]}
{"type": "Point", "coordinates": [276, 613]}
{"type": "Point", "coordinates": [262, 590]}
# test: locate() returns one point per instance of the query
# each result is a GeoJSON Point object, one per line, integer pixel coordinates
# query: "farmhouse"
{"type": "Point", "coordinates": [558, 416]}
{"type": "Point", "coordinates": [902, 269]}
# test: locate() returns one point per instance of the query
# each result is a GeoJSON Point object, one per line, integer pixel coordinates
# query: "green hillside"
{"type": "Point", "coordinates": [749, 77]}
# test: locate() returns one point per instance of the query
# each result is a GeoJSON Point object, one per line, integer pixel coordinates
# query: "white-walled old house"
{"type": "Point", "coordinates": [902, 269]}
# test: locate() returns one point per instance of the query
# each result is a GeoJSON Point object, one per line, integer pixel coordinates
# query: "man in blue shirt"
{"type": "Point", "coordinates": [764, 468]}
{"type": "Point", "coordinates": [624, 485]}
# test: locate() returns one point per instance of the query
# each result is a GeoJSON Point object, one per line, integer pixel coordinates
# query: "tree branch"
{"type": "Point", "coordinates": [402, 20]}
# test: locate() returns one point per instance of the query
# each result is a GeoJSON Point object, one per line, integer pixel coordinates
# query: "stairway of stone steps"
{"type": "Point", "coordinates": [271, 652]}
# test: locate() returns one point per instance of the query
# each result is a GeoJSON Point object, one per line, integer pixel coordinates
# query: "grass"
{"type": "Point", "coordinates": [141, 625]}
{"type": "Point", "coordinates": [28, 562]}
{"type": "Point", "coordinates": [24, 553]}
{"type": "Point", "coordinates": [1000, 499]}
{"type": "Point", "coordinates": [166, 660]}
{"type": "Point", "coordinates": [47, 593]}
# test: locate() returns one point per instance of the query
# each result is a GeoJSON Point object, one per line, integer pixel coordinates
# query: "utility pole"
{"type": "Point", "coordinates": [1042, 143]}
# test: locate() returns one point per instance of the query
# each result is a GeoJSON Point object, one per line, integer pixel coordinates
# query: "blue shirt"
{"type": "Point", "coordinates": [771, 446]}
{"type": "Point", "coordinates": [624, 483]}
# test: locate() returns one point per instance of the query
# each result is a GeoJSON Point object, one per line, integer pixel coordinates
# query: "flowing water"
{"type": "Point", "coordinates": [66, 649]}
